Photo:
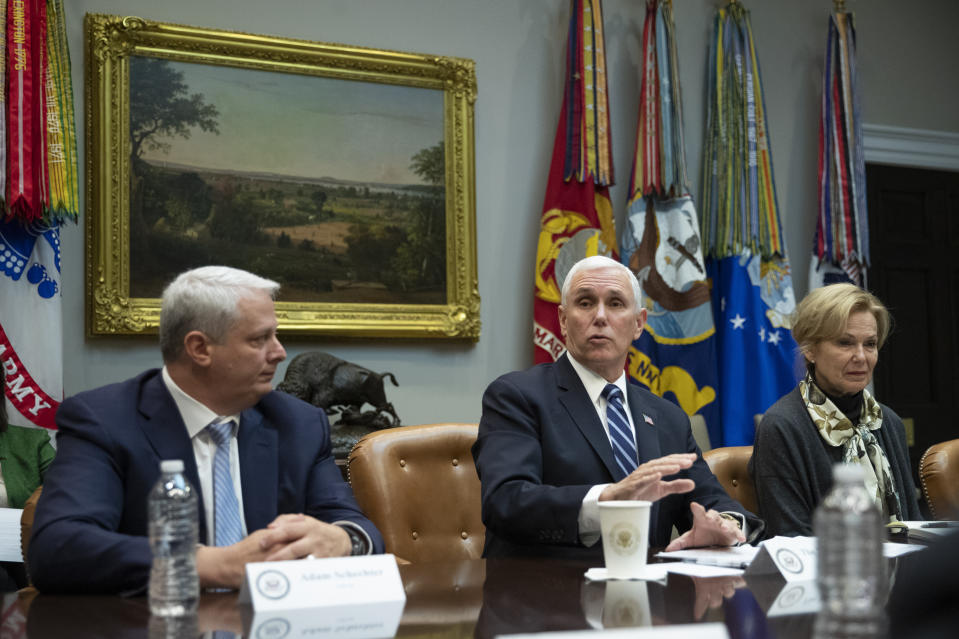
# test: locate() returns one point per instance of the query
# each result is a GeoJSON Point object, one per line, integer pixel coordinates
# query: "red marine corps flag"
{"type": "Point", "coordinates": [577, 218]}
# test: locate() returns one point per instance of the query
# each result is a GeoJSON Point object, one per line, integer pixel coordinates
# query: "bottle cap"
{"type": "Point", "coordinates": [847, 473]}
{"type": "Point", "coordinates": [171, 466]}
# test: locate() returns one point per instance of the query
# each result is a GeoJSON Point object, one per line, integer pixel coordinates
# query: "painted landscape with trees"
{"type": "Point", "coordinates": [324, 237]}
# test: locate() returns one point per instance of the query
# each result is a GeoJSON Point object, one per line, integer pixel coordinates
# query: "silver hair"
{"type": "Point", "coordinates": [205, 299]}
{"type": "Point", "coordinates": [595, 262]}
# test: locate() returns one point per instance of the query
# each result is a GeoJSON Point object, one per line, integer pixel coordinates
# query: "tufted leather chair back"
{"type": "Point", "coordinates": [939, 477]}
{"type": "Point", "coordinates": [418, 484]}
{"type": "Point", "coordinates": [26, 524]}
{"type": "Point", "coordinates": [729, 466]}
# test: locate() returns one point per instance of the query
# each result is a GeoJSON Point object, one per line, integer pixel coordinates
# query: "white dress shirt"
{"type": "Point", "coordinates": [589, 532]}
{"type": "Point", "coordinates": [589, 529]}
{"type": "Point", "coordinates": [197, 417]}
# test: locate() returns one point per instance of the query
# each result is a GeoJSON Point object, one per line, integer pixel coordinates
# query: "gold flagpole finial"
{"type": "Point", "coordinates": [839, 6]}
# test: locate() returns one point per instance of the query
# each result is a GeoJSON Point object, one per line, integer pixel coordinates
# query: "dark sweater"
{"type": "Point", "coordinates": [792, 465]}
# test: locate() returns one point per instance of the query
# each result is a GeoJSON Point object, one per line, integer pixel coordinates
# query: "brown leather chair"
{"type": "Point", "coordinates": [26, 524]}
{"type": "Point", "coordinates": [729, 466]}
{"type": "Point", "coordinates": [418, 484]}
{"type": "Point", "coordinates": [939, 477]}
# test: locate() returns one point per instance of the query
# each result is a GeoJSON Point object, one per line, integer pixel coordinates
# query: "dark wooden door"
{"type": "Point", "coordinates": [914, 240]}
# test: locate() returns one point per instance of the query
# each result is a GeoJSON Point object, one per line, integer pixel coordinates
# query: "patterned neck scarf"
{"type": "Point", "coordinates": [859, 444]}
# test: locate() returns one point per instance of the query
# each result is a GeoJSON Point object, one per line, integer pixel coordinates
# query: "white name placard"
{"type": "Point", "coordinates": [319, 583]}
{"type": "Point", "coordinates": [792, 557]}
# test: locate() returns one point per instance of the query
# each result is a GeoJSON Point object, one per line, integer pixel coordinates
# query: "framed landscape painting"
{"type": "Point", "coordinates": [343, 173]}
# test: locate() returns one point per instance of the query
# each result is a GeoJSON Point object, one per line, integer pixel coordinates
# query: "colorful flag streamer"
{"type": "Point", "coordinates": [41, 191]}
{"type": "Point", "coordinates": [64, 201]}
{"type": "Point", "coordinates": [746, 256]}
{"type": "Point", "coordinates": [841, 243]}
{"type": "Point", "coordinates": [675, 356]}
{"type": "Point", "coordinates": [577, 217]}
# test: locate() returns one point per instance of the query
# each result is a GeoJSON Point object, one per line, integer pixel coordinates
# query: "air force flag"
{"type": "Point", "coordinates": [752, 301]}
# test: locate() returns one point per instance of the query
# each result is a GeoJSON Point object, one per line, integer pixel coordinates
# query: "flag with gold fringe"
{"type": "Point", "coordinates": [61, 135]}
{"type": "Point", "coordinates": [841, 243]}
{"type": "Point", "coordinates": [746, 257]}
{"type": "Point", "coordinates": [41, 192]}
{"type": "Point", "coordinates": [577, 217]}
{"type": "Point", "coordinates": [675, 356]}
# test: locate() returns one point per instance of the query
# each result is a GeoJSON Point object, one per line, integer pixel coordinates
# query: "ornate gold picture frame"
{"type": "Point", "coordinates": [345, 173]}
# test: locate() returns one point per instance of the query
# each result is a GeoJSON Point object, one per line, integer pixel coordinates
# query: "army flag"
{"type": "Point", "coordinates": [577, 217]}
{"type": "Point", "coordinates": [746, 257]}
{"type": "Point", "coordinates": [661, 244]}
{"type": "Point", "coordinates": [841, 244]}
{"type": "Point", "coordinates": [41, 193]}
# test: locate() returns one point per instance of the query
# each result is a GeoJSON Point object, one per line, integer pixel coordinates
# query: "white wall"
{"type": "Point", "coordinates": [907, 53]}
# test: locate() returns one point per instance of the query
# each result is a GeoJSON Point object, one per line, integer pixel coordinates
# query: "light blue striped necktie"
{"type": "Point", "coordinates": [620, 434]}
{"type": "Point", "coordinates": [226, 509]}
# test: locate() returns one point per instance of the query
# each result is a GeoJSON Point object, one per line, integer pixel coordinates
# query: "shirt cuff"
{"type": "Point", "coordinates": [367, 542]}
{"type": "Point", "coordinates": [740, 519]}
{"type": "Point", "coordinates": [588, 521]}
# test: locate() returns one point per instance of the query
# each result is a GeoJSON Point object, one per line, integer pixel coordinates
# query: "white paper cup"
{"type": "Point", "coordinates": [625, 530]}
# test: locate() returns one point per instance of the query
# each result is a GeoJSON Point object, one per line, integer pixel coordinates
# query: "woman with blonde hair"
{"type": "Point", "coordinates": [831, 417]}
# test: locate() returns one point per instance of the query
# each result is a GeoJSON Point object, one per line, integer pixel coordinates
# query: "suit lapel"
{"type": "Point", "coordinates": [258, 466]}
{"type": "Point", "coordinates": [573, 396]}
{"type": "Point", "coordinates": [163, 427]}
{"type": "Point", "coordinates": [647, 438]}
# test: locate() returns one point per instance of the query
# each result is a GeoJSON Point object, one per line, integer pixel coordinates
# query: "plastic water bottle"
{"type": "Point", "coordinates": [851, 569]}
{"type": "Point", "coordinates": [172, 506]}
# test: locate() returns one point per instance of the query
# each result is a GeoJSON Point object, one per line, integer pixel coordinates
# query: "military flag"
{"type": "Point", "coordinates": [41, 193]}
{"type": "Point", "coordinates": [577, 218]}
{"type": "Point", "coordinates": [746, 257]}
{"type": "Point", "coordinates": [675, 355]}
{"type": "Point", "coordinates": [841, 245]}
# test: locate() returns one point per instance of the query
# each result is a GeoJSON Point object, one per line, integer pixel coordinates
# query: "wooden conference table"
{"type": "Point", "coordinates": [469, 598]}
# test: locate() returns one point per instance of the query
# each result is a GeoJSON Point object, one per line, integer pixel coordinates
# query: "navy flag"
{"type": "Point", "coordinates": [675, 356]}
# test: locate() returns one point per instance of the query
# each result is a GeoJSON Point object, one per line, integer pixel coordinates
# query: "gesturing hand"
{"type": "Point", "coordinates": [646, 482]}
{"type": "Point", "coordinates": [709, 529]}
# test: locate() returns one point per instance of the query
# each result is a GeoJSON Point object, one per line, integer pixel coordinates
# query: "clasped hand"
{"type": "Point", "coordinates": [286, 537]}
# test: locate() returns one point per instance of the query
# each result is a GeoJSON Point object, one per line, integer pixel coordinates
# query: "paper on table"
{"type": "Point", "coordinates": [681, 631]}
{"type": "Point", "coordinates": [730, 557]}
{"type": "Point", "coordinates": [10, 534]}
{"type": "Point", "coordinates": [927, 531]}
{"type": "Point", "coordinates": [892, 549]}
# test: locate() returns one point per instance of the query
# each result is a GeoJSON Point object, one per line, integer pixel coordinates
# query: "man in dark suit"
{"type": "Point", "coordinates": [220, 352]}
{"type": "Point", "coordinates": [544, 453]}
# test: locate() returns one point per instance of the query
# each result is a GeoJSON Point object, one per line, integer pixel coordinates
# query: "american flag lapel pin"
{"type": "Point", "coordinates": [648, 419]}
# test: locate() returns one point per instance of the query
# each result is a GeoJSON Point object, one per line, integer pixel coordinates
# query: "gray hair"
{"type": "Point", "coordinates": [205, 299]}
{"type": "Point", "coordinates": [596, 262]}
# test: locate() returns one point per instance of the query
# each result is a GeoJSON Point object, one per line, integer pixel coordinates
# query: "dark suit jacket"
{"type": "Point", "coordinates": [541, 447]}
{"type": "Point", "coordinates": [89, 534]}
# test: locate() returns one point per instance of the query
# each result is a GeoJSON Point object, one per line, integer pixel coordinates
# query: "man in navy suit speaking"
{"type": "Point", "coordinates": [213, 406]}
{"type": "Point", "coordinates": [548, 451]}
